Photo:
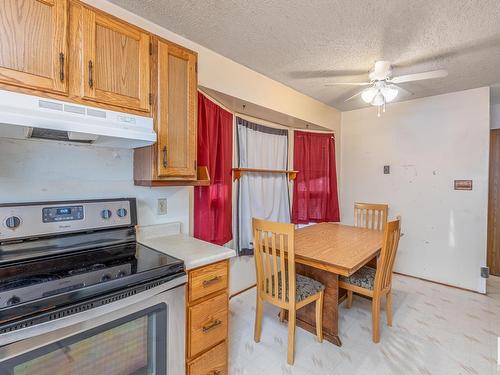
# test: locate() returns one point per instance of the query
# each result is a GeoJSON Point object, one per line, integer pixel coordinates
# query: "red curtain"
{"type": "Point", "coordinates": [213, 204]}
{"type": "Point", "coordinates": [315, 197]}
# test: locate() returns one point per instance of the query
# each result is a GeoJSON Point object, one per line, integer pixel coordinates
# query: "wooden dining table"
{"type": "Point", "coordinates": [323, 252]}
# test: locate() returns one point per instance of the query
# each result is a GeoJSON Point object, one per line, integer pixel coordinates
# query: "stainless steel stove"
{"type": "Point", "coordinates": [71, 272]}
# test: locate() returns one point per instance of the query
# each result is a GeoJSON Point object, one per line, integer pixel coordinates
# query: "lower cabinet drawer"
{"type": "Point", "coordinates": [207, 324]}
{"type": "Point", "coordinates": [207, 280]}
{"type": "Point", "coordinates": [213, 362]}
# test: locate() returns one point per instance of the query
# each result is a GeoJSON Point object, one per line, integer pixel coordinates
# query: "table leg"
{"type": "Point", "coordinates": [306, 317]}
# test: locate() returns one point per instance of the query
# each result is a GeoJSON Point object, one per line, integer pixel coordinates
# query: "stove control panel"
{"type": "Point", "coordinates": [30, 220]}
{"type": "Point", "coordinates": [62, 213]}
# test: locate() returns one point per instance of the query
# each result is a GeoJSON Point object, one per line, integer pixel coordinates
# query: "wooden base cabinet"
{"type": "Point", "coordinates": [207, 320]}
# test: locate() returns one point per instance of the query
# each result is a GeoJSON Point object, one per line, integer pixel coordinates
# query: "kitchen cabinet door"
{"type": "Point", "coordinates": [33, 44]}
{"type": "Point", "coordinates": [115, 59]}
{"type": "Point", "coordinates": [176, 113]}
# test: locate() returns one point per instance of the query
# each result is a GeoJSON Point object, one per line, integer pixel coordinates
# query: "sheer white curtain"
{"type": "Point", "coordinates": [261, 195]}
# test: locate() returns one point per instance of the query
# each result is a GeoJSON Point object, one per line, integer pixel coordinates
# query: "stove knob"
{"type": "Point", "coordinates": [120, 274]}
{"type": "Point", "coordinates": [106, 277]}
{"type": "Point", "coordinates": [12, 222]}
{"type": "Point", "coordinates": [106, 214]}
{"type": "Point", "coordinates": [121, 212]}
{"type": "Point", "coordinates": [13, 300]}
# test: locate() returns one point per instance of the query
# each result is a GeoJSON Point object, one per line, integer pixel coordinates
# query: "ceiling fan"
{"type": "Point", "coordinates": [383, 87]}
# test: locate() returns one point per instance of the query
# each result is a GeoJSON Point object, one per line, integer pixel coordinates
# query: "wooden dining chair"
{"type": "Point", "coordinates": [376, 283]}
{"type": "Point", "coordinates": [370, 215]}
{"type": "Point", "coordinates": [277, 282]}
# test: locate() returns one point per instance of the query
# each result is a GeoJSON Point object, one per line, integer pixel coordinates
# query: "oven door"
{"type": "Point", "coordinates": [142, 334]}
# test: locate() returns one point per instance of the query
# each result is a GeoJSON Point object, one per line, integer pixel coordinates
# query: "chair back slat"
{"type": "Point", "coordinates": [267, 263]}
{"type": "Point", "coordinates": [282, 265]}
{"type": "Point", "coordinates": [385, 265]}
{"type": "Point", "coordinates": [274, 259]}
{"type": "Point", "coordinates": [370, 215]}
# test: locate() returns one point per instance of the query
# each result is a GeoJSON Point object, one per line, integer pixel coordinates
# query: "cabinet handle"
{"type": "Point", "coordinates": [215, 372]}
{"type": "Point", "coordinates": [211, 326]}
{"type": "Point", "coordinates": [164, 156]}
{"type": "Point", "coordinates": [208, 282]}
{"type": "Point", "coordinates": [91, 74]}
{"type": "Point", "coordinates": [61, 66]}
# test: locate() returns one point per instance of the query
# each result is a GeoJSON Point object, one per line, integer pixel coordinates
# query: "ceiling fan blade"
{"type": "Point", "coordinates": [325, 73]}
{"type": "Point", "coordinates": [348, 83]}
{"type": "Point", "coordinates": [352, 97]}
{"type": "Point", "coordinates": [420, 76]}
{"type": "Point", "coordinates": [401, 88]}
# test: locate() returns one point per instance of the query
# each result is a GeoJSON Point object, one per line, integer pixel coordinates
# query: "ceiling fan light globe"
{"type": "Point", "coordinates": [368, 94]}
{"type": "Point", "coordinates": [378, 100]}
{"type": "Point", "coordinates": [389, 93]}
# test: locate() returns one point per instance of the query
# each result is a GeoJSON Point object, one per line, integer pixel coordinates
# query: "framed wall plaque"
{"type": "Point", "coordinates": [463, 184]}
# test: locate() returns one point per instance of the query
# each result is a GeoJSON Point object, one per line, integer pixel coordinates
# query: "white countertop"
{"type": "Point", "coordinates": [168, 239]}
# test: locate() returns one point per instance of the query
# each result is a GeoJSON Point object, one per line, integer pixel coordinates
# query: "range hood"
{"type": "Point", "coordinates": [26, 116]}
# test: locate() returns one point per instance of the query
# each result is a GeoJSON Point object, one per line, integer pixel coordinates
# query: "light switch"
{"type": "Point", "coordinates": [387, 169]}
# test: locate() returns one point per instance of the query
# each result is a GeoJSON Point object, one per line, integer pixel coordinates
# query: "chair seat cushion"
{"type": "Point", "coordinates": [364, 278]}
{"type": "Point", "coordinates": [304, 287]}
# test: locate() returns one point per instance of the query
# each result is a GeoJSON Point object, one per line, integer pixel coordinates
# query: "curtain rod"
{"type": "Point", "coordinates": [261, 119]}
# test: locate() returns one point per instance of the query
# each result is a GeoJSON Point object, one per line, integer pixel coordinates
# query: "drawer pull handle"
{"type": "Point", "coordinates": [207, 283]}
{"type": "Point", "coordinates": [211, 326]}
{"type": "Point", "coordinates": [165, 157]}
{"type": "Point", "coordinates": [61, 67]}
{"type": "Point", "coordinates": [215, 372]}
{"type": "Point", "coordinates": [91, 74]}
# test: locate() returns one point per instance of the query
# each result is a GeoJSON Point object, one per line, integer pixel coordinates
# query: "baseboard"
{"type": "Point", "coordinates": [397, 273]}
{"type": "Point", "coordinates": [242, 291]}
{"type": "Point", "coordinates": [439, 283]}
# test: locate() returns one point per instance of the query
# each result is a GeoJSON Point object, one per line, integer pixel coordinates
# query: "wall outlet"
{"type": "Point", "coordinates": [485, 272]}
{"type": "Point", "coordinates": [162, 206]}
{"type": "Point", "coordinates": [387, 169]}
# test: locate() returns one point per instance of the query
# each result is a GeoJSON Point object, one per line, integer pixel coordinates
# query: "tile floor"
{"type": "Point", "coordinates": [437, 330]}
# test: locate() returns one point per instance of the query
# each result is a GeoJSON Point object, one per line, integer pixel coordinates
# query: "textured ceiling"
{"type": "Point", "coordinates": [305, 44]}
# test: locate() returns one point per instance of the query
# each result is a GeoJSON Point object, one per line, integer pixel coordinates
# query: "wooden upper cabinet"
{"type": "Point", "coordinates": [176, 112]}
{"type": "Point", "coordinates": [33, 44]}
{"type": "Point", "coordinates": [115, 62]}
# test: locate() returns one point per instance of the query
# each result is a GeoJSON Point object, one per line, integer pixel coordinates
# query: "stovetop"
{"type": "Point", "coordinates": [29, 286]}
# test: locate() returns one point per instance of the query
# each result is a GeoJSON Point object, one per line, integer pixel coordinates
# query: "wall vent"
{"type": "Point", "coordinates": [55, 135]}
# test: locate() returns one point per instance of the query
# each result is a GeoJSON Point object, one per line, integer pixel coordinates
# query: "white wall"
{"type": "Point", "coordinates": [33, 170]}
{"type": "Point", "coordinates": [495, 116]}
{"type": "Point", "coordinates": [428, 143]}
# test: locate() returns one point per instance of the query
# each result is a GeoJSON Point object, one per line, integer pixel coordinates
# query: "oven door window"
{"type": "Point", "coordinates": [135, 344]}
